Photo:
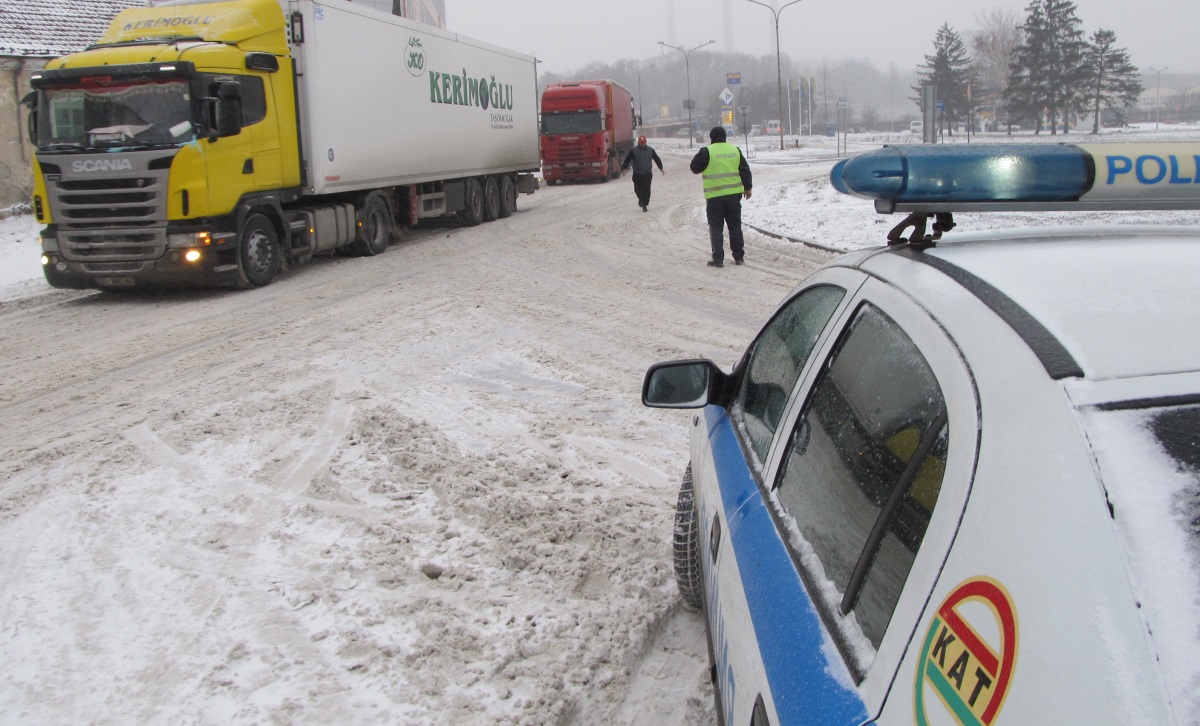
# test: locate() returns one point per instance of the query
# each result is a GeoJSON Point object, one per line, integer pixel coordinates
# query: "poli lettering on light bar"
{"type": "Point", "coordinates": [1017, 177]}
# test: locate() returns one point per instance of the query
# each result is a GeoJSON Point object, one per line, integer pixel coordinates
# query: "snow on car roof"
{"type": "Point", "coordinates": [1124, 302]}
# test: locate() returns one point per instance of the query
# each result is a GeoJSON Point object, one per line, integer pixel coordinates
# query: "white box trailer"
{"type": "Point", "coordinates": [217, 140]}
{"type": "Point", "coordinates": [387, 101]}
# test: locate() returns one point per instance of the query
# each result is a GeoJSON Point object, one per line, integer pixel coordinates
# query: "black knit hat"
{"type": "Point", "coordinates": [717, 134]}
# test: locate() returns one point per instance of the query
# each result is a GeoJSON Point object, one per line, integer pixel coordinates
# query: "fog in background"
{"type": "Point", "coordinates": [569, 35]}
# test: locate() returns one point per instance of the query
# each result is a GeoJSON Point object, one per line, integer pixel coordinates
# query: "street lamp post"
{"type": "Point", "coordinates": [687, 63]}
{"type": "Point", "coordinates": [778, 61]}
{"type": "Point", "coordinates": [638, 71]}
{"type": "Point", "coordinates": [1158, 94]}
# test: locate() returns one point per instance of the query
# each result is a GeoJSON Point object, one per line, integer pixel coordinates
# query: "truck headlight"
{"type": "Point", "coordinates": [190, 239]}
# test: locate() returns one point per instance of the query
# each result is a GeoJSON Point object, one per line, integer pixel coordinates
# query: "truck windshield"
{"type": "Point", "coordinates": [116, 114]}
{"type": "Point", "coordinates": [581, 122]}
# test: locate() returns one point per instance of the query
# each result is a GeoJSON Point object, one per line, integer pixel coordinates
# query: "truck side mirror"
{"type": "Point", "coordinates": [229, 109]}
{"type": "Point", "coordinates": [30, 102]}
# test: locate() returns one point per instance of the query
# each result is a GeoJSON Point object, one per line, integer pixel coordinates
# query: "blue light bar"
{"type": "Point", "coordinates": [1015, 177]}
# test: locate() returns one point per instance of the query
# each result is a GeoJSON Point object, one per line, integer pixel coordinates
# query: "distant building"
{"type": "Point", "coordinates": [430, 12]}
{"type": "Point", "coordinates": [32, 32]}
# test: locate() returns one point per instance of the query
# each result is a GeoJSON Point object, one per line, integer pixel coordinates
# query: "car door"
{"type": "Point", "coordinates": [727, 465]}
{"type": "Point", "coordinates": [837, 546]}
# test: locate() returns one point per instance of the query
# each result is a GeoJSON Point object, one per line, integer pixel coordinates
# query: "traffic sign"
{"type": "Point", "coordinates": [726, 96]}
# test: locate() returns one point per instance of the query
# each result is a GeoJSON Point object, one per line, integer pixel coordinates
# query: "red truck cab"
{"type": "Point", "coordinates": [586, 130]}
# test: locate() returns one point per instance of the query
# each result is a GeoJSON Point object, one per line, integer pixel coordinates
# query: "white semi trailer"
{"type": "Point", "coordinates": [212, 143]}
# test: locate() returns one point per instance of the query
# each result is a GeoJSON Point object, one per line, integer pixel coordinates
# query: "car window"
{"type": "Point", "coordinates": [862, 472]}
{"type": "Point", "coordinates": [775, 361]}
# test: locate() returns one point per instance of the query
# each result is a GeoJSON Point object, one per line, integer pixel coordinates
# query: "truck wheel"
{"type": "Point", "coordinates": [491, 199]}
{"type": "Point", "coordinates": [258, 252]}
{"type": "Point", "coordinates": [508, 196]}
{"type": "Point", "coordinates": [472, 212]}
{"type": "Point", "coordinates": [685, 545]}
{"type": "Point", "coordinates": [375, 233]}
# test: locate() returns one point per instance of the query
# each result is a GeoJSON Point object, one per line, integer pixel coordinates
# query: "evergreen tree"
{"type": "Point", "coordinates": [1050, 69]}
{"type": "Point", "coordinates": [948, 70]}
{"type": "Point", "coordinates": [1115, 80]}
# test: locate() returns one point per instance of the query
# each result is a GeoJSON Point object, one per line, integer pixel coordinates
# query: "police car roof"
{"type": "Point", "coordinates": [1123, 301]}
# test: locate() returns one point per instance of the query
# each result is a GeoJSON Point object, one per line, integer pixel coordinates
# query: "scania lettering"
{"type": "Point", "coordinates": [102, 165]}
{"type": "Point", "coordinates": [217, 143]}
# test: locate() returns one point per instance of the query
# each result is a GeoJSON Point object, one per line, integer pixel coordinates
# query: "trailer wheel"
{"type": "Point", "coordinates": [375, 233]}
{"type": "Point", "coordinates": [508, 196]}
{"type": "Point", "coordinates": [472, 212]}
{"type": "Point", "coordinates": [491, 199]}
{"type": "Point", "coordinates": [615, 172]}
{"type": "Point", "coordinates": [258, 252]}
{"type": "Point", "coordinates": [685, 545]}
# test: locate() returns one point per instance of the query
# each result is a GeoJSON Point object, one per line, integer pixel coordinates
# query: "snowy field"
{"type": "Point", "coordinates": [417, 488]}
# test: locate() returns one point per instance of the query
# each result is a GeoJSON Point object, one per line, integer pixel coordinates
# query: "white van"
{"type": "Point", "coordinates": [773, 128]}
{"type": "Point", "coordinates": [917, 127]}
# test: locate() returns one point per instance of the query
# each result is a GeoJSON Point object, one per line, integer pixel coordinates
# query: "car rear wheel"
{"type": "Point", "coordinates": [685, 544]}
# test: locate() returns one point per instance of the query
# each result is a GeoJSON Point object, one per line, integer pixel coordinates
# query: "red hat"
{"type": "Point", "coordinates": [641, 139]}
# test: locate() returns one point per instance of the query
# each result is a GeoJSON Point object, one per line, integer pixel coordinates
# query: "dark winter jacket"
{"type": "Point", "coordinates": [641, 158]}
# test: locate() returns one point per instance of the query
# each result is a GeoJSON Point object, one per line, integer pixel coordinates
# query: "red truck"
{"type": "Point", "coordinates": [587, 128]}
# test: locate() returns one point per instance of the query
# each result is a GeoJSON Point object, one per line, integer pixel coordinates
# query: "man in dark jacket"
{"type": "Point", "coordinates": [641, 156]}
{"type": "Point", "coordinates": [726, 180]}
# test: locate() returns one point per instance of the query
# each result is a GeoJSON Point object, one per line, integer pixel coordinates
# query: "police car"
{"type": "Point", "coordinates": [956, 479]}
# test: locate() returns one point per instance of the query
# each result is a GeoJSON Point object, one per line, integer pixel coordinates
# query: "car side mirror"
{"type": "Point", "coordinates": [680, 384]}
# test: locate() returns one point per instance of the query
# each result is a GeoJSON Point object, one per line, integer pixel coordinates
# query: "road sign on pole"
{"type": "Point", "coordinates": [726, 96]}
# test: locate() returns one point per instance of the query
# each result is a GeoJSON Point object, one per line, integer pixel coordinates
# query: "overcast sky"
{"type": "Point", "coordinates": [567, 34]}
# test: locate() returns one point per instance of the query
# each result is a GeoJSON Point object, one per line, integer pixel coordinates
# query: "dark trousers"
{"type": "Point", "coordinates": [641, 187]}
{"type": "Point", "coordinates": [726, 210]}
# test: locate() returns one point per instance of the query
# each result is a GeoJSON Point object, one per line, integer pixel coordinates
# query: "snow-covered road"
{"type": "Point", "coordinates": [417, 488]}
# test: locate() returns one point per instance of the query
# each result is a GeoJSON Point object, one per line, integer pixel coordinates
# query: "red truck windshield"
{"type": "Point", "coordinates": [579, 122]}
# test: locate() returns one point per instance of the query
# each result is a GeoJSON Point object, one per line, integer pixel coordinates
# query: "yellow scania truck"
{"type": "Point", "coordinates": [215, 143]}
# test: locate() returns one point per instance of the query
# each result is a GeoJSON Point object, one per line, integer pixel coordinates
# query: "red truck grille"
{"type": "Point", "coordinates": [569, 151]}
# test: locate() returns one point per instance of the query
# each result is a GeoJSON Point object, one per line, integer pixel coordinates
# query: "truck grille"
{"type": "Point", "coordinates": [573, 151]}
{"type": "Point", "coordinates": [115, 216]}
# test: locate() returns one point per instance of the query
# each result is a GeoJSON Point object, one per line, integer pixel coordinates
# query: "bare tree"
{"type": "Point", "coordinates": [993, 44]}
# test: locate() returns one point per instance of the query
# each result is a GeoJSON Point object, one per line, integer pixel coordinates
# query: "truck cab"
{"type": "Point", "coordinates": [142, 143]}
{"type": "Point", "coordinates": [586, 130]}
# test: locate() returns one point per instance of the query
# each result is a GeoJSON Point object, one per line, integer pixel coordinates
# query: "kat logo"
{"type": "Point", "coordinates": [968, 656]}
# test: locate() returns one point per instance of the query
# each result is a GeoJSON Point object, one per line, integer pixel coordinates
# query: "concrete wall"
{"type": "Point", "coordinates": [16, 154]}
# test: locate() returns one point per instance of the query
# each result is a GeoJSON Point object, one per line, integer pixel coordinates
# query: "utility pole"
{"type": "Point", "coordinates": [687, 54]}
{"type": "Point", "coordinates": [638, 71]}
{"type": "Point", "coordinates": [778, 61]}
{"type": "Point", "coordinates": [1158, 94]}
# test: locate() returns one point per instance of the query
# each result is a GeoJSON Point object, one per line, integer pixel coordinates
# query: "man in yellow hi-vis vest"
{"type": "Point", "coordinates": [726, 180]}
